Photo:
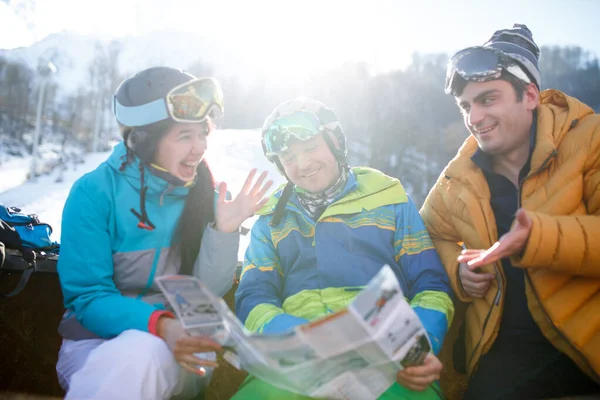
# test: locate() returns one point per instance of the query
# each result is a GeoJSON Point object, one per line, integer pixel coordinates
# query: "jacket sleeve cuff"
{"type": "Point", "coordinates": [453, 269]}
{"type": "Point", "coordinates": [237, 232]}
{"type": "Point", "coordinates": [153, 321]}
{"type": "Point", "coordinates": [535, 253]}
{"type": "Point", "coordinates": [260, 316]}
{"type": "Point", "coordinates": [283, 322]}
{"type": "Point", "coordinates": [459, 290]}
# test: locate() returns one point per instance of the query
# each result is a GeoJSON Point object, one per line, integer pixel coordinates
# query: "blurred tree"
{"type": "Point", "coordinates": [15, 82]}
{"type": "Point", "coordinates": [94, 103]}
{"type": "Point", "coordinates": [573, 71]}
{"type": "Point", "coordinates": [400, 122]}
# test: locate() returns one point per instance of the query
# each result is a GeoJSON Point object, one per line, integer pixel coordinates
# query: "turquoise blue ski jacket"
{"type": "Point", "coordinates": [107, 264]}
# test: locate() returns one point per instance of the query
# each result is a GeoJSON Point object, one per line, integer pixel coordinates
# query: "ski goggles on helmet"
{"type": "Point", "coordinates": [301, 125]}
{"type": "Point", "coordinates": [480, 64]}
{"type": "Point", "coordinates": [190, 102]}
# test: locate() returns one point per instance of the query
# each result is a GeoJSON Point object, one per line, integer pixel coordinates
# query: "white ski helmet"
{"type": "Point", "coordinates": [327, 118]}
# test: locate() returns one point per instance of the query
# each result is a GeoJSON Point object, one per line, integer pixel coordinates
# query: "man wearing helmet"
{"type": "Point", "coordinates": [325, 234]}
{"type": "Point", "coordinates": [525, 186]}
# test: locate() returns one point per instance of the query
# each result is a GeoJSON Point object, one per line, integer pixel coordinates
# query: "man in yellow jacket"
{"type": "Point", "coordinates": [515, 217]}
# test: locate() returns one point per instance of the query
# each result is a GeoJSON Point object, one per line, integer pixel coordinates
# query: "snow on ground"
{"type": "Point", "coordinates": [14, 172]}
{"type": "Point", "coordinates": [231, 155]}
{"type": "Point", "coordinates": [15, 161]}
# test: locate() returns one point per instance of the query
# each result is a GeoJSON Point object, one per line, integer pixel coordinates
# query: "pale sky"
{"type": "Point", "coordinates": [314, 33]}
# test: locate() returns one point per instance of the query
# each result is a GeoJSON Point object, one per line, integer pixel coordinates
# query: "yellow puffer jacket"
{"type": "Point", "coordinates": [562, 257]}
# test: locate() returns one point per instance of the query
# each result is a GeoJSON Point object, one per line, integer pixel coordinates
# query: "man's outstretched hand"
{"type": "Point", "coordinates": [510, 244]}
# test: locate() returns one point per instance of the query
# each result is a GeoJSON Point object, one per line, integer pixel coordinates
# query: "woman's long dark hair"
{"type": "Point", "coordinates": [198, 212]}
{"type": "Point", "coordinates": [199, 209]}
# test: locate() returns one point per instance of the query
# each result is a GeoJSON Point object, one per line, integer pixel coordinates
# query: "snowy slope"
{"type": "Point", "coordinates": [14, 172]}
{"type": "Point", "coordinates": [231, 154]}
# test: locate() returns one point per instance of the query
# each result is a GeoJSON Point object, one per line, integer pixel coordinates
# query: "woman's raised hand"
{"type": "Point", "coordinates": [230, 214]}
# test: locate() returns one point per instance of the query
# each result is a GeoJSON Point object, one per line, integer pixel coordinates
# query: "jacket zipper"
{"type": "Point", "coordinates": [487, 317]}
{"type": "Point", "coordinates": [495, 304]}
{"type": "Point", "coordinates": [485, 322]}
{"type": "Point", "coordinates": [163, 193]}
{"type": "Point", "coordinates": [496, 269]}
{"type": "Point", "coordinates": [500, 284]}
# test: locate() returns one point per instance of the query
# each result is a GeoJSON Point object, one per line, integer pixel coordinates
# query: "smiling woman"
{"type": "Point", "coordinates": [151, 209]}
{"type": "Point", "coordinates": [181, 149]}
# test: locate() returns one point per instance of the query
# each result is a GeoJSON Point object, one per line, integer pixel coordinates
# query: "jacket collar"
{"type": "Point", "coordinates": [154, 178]}
{"type": "Point", "coordinates": [357, 195]}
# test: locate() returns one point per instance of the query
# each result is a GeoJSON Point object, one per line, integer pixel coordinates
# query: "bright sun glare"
{"type": "Point", "coordinates": [279, 39]}
{"type": "Point", "coordinates": [287, 38]}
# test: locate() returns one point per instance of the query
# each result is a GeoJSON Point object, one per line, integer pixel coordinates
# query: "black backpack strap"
{"type": "Point", "coordinates": [16, 261]}
{"type": "Point", "coordinates": [21, 284]}
{"type": "Point", "coordinates": [9, 236]}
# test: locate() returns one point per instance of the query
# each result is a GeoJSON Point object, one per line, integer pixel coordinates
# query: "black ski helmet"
{"type": "Point", "coordinates": [142, 88]}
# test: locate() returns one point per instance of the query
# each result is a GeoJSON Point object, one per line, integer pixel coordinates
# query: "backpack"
{"type": "Point", "coordinates": [33, 233]}
{"type": "Point", "coordinates": [26, 245]}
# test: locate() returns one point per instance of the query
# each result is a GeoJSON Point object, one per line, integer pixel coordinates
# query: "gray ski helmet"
{"type": "Point", "coordinates": [142, 88]}
{"type": "Point", "coordinates": [326, 116]}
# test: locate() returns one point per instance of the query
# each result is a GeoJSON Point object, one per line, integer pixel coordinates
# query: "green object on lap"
{"type": "Point", "coordinates": [256, 389]}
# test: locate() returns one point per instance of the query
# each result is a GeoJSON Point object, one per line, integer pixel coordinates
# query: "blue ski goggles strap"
{"type": "Point", "coordinates": [190, 102]}
{"type": "Point", "coordinates": [480, 64]}
{"type": "Point", "coordinates": [301, 125]}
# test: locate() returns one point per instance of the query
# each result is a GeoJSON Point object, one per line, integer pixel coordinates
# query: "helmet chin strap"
{"type": "Point", "coordinates": [144, 221]}
{"type": "Point", "coordinates": [337, 153]}
{"type": "Point", "coordinates": [288, 190]}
